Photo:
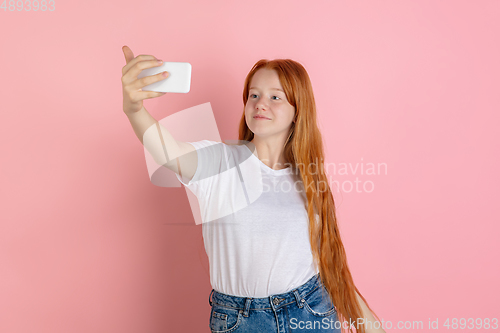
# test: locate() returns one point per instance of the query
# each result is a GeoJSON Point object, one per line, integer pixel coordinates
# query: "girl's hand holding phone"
{"type": "Point", "coordinates": [132, 92]}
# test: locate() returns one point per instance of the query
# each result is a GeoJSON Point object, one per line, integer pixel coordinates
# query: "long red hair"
{"type": "Point", "coordinates": [303, 147]}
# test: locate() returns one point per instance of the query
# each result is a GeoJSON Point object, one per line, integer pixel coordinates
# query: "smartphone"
{"type": "Point", "coordinates": [178, 81]}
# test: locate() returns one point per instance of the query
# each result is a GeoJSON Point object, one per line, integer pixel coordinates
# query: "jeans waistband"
{"type": "Point", "coordinates": [271, 302]}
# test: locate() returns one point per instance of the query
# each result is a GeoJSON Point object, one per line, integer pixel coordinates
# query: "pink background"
{"type": "Point", "coordinates": [86, 243]}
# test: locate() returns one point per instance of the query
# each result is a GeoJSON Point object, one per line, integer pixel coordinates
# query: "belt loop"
{"type": "Point", "coordinates": [209, 301]}
{"type": "Point", "coordinates": [297, 297]}
{"type": "Point", "coordinates": [320, 281]}
{"type": "Point", "coordinates": [248, 300]}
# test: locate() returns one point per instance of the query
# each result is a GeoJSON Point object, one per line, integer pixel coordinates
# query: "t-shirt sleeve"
{"type": "Point", "coordinates": [212, 161]}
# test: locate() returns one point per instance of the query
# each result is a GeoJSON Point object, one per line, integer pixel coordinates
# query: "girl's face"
{"type": "Point", "coordinates": [267, 98]}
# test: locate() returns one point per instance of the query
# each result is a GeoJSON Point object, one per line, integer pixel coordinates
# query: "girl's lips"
{"type": "Point", "coordinates": [261, 117]}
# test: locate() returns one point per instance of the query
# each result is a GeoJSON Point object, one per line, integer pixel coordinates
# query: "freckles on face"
{"type": "Point", "coordinates": [266, 97]}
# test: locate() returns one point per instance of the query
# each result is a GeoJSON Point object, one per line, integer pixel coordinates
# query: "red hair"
{"type": "Point", "coordinates": [304, 146]}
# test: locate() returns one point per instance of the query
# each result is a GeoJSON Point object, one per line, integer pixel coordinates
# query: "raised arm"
{"type": "Point", "coordinates": [180, 157]}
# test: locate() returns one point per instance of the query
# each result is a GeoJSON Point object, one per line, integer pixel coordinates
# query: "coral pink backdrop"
{"type": "Point", "coordinates": [89, 244]}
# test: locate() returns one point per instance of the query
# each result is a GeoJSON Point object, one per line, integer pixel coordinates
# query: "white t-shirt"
{"type": "Point", "coordinates": [255, 225]}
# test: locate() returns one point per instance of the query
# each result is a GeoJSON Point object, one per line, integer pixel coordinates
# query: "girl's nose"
{"type": "Point", "coordinates": [261, 104]}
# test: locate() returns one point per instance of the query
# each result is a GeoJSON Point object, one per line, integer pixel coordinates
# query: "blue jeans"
{"type": "Point", "coordinates": [307, 308]}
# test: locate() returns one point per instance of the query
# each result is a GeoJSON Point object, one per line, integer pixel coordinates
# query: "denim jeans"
{"type": "Point", "coordinates": [307, 308]}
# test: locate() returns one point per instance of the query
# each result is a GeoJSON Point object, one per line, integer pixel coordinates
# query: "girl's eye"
{"type": "Point", "coordinates": [256, 95]}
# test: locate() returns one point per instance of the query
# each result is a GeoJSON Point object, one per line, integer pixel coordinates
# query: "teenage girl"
{"type": "Point", "coordinates": [277, 262]}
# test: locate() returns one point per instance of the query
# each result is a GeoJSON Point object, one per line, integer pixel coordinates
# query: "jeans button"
{"type": "Point", "coordinates": [277, 301]}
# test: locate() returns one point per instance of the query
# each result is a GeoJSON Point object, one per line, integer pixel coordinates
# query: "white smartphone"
{"type": "Point", "coordinates": [178, 81]}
